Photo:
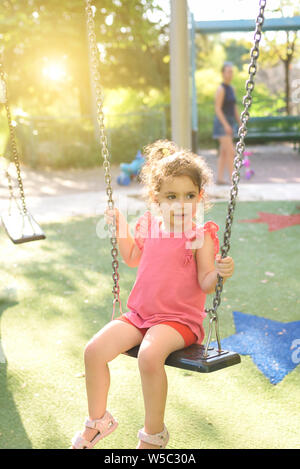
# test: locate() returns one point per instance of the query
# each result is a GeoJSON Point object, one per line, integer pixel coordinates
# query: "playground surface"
{"type": "Point", "coordinates": [64, 297]}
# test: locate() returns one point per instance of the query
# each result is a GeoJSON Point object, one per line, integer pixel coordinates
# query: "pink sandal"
{"type": "Point", "coordinates": [106, 425]}
{"type": "Point", "coordinates": [160, 439]}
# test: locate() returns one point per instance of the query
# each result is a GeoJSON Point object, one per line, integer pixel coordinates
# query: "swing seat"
{"type": "Point", "coordinates": [22, 228]}
{"type": "Point", "coordinates": [192, 358]}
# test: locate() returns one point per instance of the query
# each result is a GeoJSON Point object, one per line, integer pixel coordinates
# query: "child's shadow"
{"type": "Point", "coordinates": [12, 432]}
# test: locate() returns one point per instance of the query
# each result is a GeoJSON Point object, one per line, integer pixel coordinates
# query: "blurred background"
{"type": "Point", "coordinates": [46, 57]}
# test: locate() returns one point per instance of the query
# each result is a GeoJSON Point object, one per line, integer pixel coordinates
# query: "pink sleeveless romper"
{"type": "Point", "coordinates": [166, 287]}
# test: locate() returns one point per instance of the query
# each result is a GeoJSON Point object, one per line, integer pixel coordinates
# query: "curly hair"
{"type": "Point", "coordinates": [164, 159]}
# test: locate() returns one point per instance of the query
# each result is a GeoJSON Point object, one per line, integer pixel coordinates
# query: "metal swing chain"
{"type": "Point", "coordinates": [238, 160]}
{"type": "Point", "coordinates": [103, 142]}
{"type": "Point", "coordinates": [13, 143]}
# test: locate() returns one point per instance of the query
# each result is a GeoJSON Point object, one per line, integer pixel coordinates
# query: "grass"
{"type": "Point", "coordinates": [64, 287]}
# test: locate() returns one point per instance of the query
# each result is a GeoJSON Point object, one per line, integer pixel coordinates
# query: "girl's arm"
{"type": "Point", "coordinates": [129, 251]}
{"type": "Point", "coordinates": [237, 115]}
{"type": "Point", "coordinates": [208, 270]}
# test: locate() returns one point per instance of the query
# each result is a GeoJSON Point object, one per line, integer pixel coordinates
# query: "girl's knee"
{"type": "Point", "coordinates": [149, 361]}
{"type": "Point", "coordinates": [88, 352]}
{"type": "Point", "coordinates": [93, 351]}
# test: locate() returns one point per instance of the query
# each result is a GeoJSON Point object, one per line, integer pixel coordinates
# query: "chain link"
{"type": "Point", "coordinates": [238, 160]}
{"type": "Point", "coordinates": [13, 144]}
{"type": "Point", "coordinates": [94, 54]}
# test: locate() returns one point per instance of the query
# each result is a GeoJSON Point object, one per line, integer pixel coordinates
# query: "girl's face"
{"type": "Point", "coordinates": [178, 199]}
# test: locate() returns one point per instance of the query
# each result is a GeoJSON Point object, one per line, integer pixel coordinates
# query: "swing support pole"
{"type": "Point", "coordinates": [179, 74]}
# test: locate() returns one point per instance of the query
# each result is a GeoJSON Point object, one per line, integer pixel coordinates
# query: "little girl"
{"type": "Point", "coordinates": [177, 264]}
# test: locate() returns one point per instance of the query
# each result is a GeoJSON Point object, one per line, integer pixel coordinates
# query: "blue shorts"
{"type": "Point", "coordinates": [218, 128]}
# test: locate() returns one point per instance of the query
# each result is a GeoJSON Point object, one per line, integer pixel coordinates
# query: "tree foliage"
{"type": "Point", "coordinates": [132, 47]}
{"type": "Point", "coordinates": [283, 51]}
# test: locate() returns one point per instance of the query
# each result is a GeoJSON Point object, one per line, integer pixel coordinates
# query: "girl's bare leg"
{"type": "Point", "coordinates": [226, 158]}
{"type": "Point", "coordinates": [115, 338]}
{"type": "Point", "coordinates": [158, 343]}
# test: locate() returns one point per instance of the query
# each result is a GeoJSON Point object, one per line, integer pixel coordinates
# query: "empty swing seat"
{"type": "Point", "coordinates": [22, 228]}
{"type": "Point", "coordinates": [192, 358]}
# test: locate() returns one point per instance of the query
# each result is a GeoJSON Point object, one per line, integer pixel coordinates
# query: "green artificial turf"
{"type": "Point", "coordinates": [64, 297]}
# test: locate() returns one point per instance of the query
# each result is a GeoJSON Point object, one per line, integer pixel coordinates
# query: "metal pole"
{"type": "Point", "coordinates": [179, 70]}
{"type": "Point", "coordinates": [194, 89]}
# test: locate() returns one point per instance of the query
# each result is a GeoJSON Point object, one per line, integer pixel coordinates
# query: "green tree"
{"type": "Point", "coordinates": [287, 51]}
{"type": "Point", "coordinates": [132, 47]}
{"type": "Point", "coordinates": [210, 51]}
{"type": "Point", "coordinates": [237, 52]}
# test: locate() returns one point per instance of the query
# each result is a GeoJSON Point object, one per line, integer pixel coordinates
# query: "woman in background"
{"type": "Point", "coordinates": [225, 123]}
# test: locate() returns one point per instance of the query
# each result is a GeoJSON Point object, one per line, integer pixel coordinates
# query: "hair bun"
{"type": "Point", "coordinates": [159, 150]}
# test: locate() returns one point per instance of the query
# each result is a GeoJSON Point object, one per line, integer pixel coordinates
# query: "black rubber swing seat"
{"type": "Point", "coordinates": [192, 358]}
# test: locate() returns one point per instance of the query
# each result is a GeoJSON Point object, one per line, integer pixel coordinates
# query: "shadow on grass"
{"type": "Point", "coordinates": [12, 432]}
{"type": "Point", "coordinates": [202, 431]}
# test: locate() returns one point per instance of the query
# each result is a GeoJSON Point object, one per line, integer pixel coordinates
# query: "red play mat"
{"type": "Point", "coordinates": [275, 221]}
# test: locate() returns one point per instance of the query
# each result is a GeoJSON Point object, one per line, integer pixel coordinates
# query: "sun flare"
{"type": "Point", "coordinates": [54, 71]}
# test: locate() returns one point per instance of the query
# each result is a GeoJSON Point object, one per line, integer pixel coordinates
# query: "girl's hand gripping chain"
{"type": "Point", "coordinates": [225, 266]}
{"type": "Point", "coordinates": [121, 223]}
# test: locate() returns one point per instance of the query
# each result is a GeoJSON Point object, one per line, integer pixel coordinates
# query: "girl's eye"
{"type": "Point", "coordinates": [172, 197]}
